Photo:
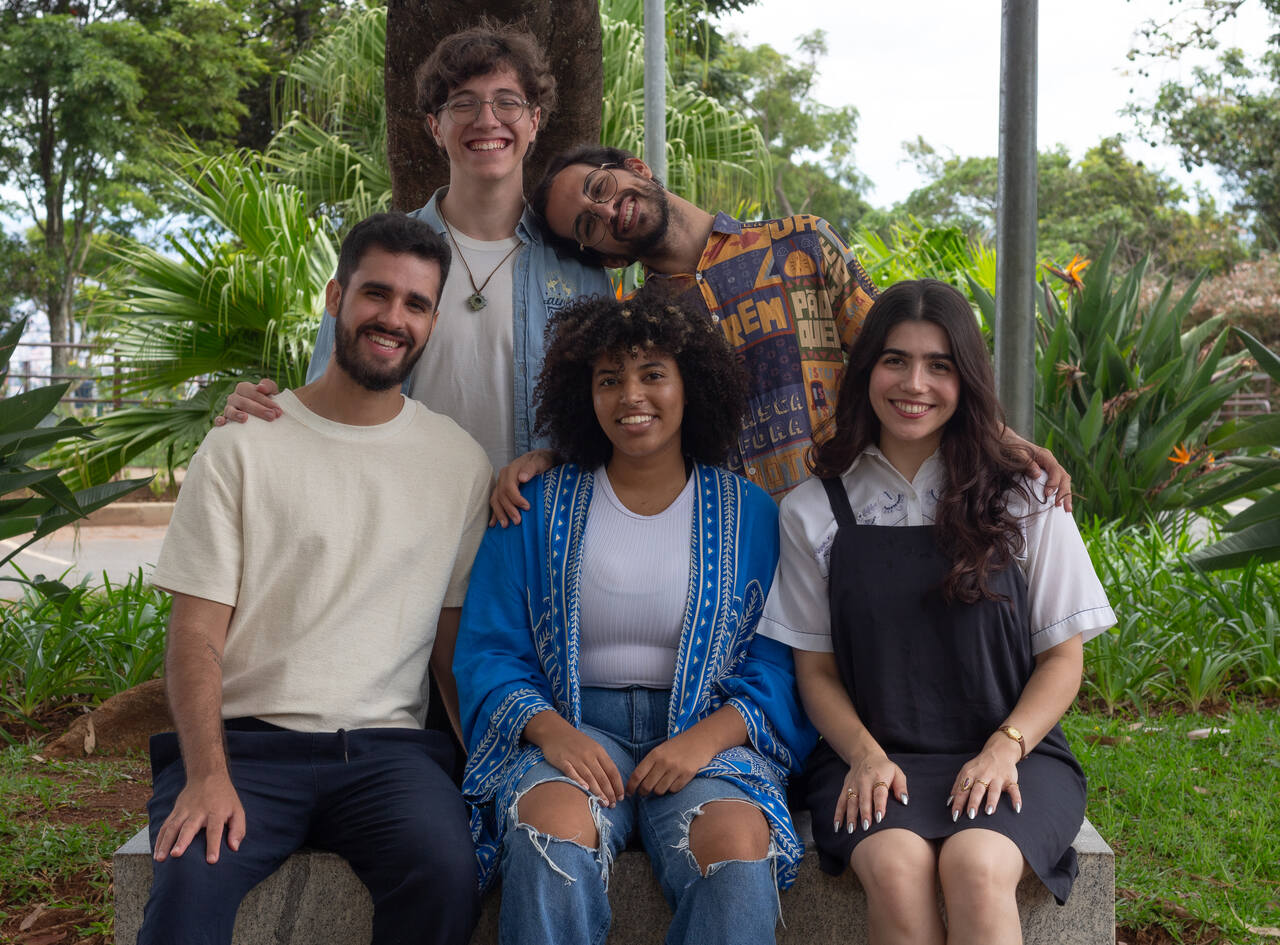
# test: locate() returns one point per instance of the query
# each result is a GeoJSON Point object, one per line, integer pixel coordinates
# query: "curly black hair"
{"type": "Point", "coordinates": [578, 335]}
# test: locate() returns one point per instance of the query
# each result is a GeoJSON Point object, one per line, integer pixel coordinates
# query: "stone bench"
{"type": "Point", "coordinates": [315, 899]}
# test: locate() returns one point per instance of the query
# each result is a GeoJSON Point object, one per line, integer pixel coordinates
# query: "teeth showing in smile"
{"type": "Point", "coordinates": [638, 418]}
{"type": "Point", "coordinates": [910, 408]}
{"type": "Point", "coordinates": [382, 341]}
{"type": "Point", "coordinates": [487, 145]}
{"type": "Point", "coordinates": [629, 215]}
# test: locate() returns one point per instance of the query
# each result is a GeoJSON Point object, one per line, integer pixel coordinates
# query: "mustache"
{"type": "Point", "coordinates": [396, 333]}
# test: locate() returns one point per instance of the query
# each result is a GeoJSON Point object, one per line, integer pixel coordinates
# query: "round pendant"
{"type": "Point", "coordinates": [477, 302]}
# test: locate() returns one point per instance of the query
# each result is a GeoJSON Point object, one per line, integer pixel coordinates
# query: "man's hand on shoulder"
{"type": "Point", "coordinates": [506, 502]}
{"type": "Point", "coordinates": [209, 804]}
{"type": "Point", "coordinates": [250, 398]}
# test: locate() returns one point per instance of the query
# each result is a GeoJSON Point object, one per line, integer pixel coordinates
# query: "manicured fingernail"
{"type": "Point", "coordinates": [950, 799]}
{"type": "Point", "coordinates": [866, 824]}
{"type": "Point", "coordinates": [972, 813]}
{"type": "Point", "coordinates": [990, 810]}
{"type": "Point", "coordinates": [1017, 808]}
{"type": "Point", "coordinates": [879, 816]}
{"type": "Point", "coordinates": [905, 800]}
{"type": "Point", "coordinates": [955, 815]}
{"type": "Point", "coordinates": [835, 825]}
{"type": "Point", "coordinates": [851, 826]}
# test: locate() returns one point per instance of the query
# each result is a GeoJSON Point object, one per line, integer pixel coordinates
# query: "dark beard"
{"type": "Point", "coordinates": [643, 245]}
{"type": "Point", "coordinates": [364, 373]}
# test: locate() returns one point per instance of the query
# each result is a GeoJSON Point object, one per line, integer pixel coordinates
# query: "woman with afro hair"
{"type": "Point", "coordinates": [611, 682]}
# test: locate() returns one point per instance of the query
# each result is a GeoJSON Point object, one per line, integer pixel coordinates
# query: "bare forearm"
{"type": "Point", "coordinates": [723, 728]}
{"type": "Point", "coordinates": [828, 706]}
{"type": "Point", "coordinates": [193, 682]}
{"type": "Point", "coordinates": [1049, 692]}
{"type": "Point", "coordinates": [442, 666]}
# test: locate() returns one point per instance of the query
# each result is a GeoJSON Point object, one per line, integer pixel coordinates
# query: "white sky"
{"type": "Point", "coordinates": [932, 68]}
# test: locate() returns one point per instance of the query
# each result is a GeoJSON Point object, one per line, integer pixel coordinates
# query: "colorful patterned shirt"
{"type": "Point", "coordinates": [790, 297]}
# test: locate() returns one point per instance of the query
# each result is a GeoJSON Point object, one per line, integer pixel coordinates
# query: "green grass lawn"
{"type": "Point", "coordinates": [1194, 818]}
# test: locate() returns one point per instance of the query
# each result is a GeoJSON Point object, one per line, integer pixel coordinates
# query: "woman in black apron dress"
{"type": "Point", "coordinates": [948, 668]}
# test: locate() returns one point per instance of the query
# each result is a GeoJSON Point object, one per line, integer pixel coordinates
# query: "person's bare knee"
{"type": "Point", "coordinates": [980, 866]}
{"type": "Point", "coordinates": [897, 864]}
{"type": "Point", "coordinates": [728, 830]}
{"type": "Point", "coordinates": [559, 809]}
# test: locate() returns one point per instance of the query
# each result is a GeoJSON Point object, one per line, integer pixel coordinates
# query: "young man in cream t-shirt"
{"type": "Point", "coordinates": [318, 569]}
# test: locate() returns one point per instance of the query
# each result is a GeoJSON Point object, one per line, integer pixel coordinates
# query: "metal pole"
{"type": "Point", "coordinates": [1016, 217]}
{"type": "Point", "coordinates": [655, 87]}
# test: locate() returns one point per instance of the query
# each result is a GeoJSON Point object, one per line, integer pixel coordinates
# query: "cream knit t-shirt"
{"type": "Point", "coordinates": [337, 545]}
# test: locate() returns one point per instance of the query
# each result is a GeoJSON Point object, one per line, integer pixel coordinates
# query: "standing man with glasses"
{"type": "Point", "coordinates": [484, 93]}
{"type": "Point", "coordinates": [788, 294]}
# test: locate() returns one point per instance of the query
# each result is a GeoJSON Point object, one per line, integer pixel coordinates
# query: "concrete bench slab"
{"type": "Point", "coordinates": [315, 899]}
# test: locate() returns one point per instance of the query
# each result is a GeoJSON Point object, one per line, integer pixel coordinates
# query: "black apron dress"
{"type": "Point", "coordinates": [932, 681]}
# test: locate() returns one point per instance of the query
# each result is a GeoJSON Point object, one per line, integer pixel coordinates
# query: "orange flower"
{"type": "Point", "coordinates": [1072, 272]}
{"type": "Point", "coordinates": [1180, 455]}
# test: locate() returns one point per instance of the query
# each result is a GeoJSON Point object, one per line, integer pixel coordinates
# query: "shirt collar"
{"type": "Point", "coordinates": [930, 474]}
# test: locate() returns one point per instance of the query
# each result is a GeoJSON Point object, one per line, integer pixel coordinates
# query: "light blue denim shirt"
{"type": "Point", "coordinates": [544, 282]}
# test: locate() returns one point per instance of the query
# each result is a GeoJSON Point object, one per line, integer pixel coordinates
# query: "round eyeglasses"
{"type": "Point", "coordinates": [508, 109]}
{"type": "Point", "coordinates": [598, 187]}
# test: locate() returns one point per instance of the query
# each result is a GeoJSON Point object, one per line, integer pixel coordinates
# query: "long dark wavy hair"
{"type": "Point", "coordinates": [974, 525]}
{"type": "Point", "coordinates": [582, 332]}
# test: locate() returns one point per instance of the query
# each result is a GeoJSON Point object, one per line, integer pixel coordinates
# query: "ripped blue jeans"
{"type": "Point", "coordinates": [555, 892]}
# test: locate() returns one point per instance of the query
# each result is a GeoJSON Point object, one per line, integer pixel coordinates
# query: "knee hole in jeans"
{"type": "Point", "coordinates": [725, 830]}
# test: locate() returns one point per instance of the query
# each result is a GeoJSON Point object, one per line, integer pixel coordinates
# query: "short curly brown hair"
{"type": "Point", "coordinates": [715, 387]}
{"type": "Point", "coordinates": [487, 46]}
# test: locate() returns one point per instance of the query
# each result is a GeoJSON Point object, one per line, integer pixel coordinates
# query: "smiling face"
{"type": "Point", "coordinates": [635, 217]}
{"type": "Point", "coordinates": [639, 403]}
{"type": "Point", "coordinates": [914, 389]}
{"type": "Point", "coordinates": [385, 316]}
{"type": "Point", "coordinates": [486, 147]}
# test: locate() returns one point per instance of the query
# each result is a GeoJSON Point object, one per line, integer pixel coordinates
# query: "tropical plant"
{"type": "Point", "coordinates": [61, 644]}
{"type": "Point", "coordinates": [37, 500]}
{"type": "Point", "coordinates": [913, 250]}
{"type": "Point", "coordinates": [1124, 397]}
{"type": "Point", "coordinates": [239, 296]}
{"type": "Point", "coordinates": [716, 157]}
{"type": "Point", "coordinates": [1255, 532]}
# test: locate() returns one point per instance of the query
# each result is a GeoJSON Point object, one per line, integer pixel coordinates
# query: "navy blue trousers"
{"type": "Point", "coordinates": [381, 798]}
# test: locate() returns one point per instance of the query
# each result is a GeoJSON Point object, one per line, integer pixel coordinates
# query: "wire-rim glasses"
{"type": "Point", "coordinates": [599, 187]}
{"type": "Point", "coordinates": [508, 109]}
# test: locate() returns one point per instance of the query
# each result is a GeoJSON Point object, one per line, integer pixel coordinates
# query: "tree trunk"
{"type": "Point", "coordinates": [569, 31]}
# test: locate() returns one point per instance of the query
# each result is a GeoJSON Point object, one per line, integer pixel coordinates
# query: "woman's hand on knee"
{"type": "Point", "coordinates": [981, 781]}
{"type": "Point", "coordinates": [577, 755]}
{"type": "Point", "coordinates": [671, 765]}
{"type": "Point", "coordinates": [864, 796]}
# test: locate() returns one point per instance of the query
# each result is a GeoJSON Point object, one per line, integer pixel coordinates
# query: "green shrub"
{"type": "Point", "coordinates": [1125, 398]}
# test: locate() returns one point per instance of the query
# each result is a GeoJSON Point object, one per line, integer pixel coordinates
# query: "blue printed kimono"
{"type": "Point", "coordinates": [517, 650]}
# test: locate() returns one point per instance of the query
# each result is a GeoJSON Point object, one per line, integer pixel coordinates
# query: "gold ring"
{"type": "Point", "coordinates": [968, 783]}
{"type": "Point", "coordinates": [982, 782]}
{"type": "Point", "coordinates": [883, 784]}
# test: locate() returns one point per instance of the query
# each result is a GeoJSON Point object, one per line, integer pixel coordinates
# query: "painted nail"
{"type": "Point", "coordinates": [835, 825]}
{"type": "Point", "coordinates": [905, 800]}
{"type": "Point", "coordinates": [1017, 808]}
{"type": "Point", "coordinates": [851, 825]}
{"type": "Point", "coordinates": [990, 810]}
{"type": "Point", "coordinates": [950, 799]}
{"type": "Point", "coordinates": [972, 813]}
{"type": "Point", "coordinates": [955, 815]}
{"type": "Point", "coordinates": [879, 816]}
{"type": "Point", "coordinates": [866, 824]}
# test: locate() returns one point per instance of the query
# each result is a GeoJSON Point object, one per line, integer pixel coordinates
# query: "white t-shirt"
{"type": "Point", "coordinates": [337, 545]}
{"type": "Point", "coordinates": [466, 371]}
{"type": "Point", "coordinates": [1063, 591]}
{"type": "Point", "coordinates": [634, 589]}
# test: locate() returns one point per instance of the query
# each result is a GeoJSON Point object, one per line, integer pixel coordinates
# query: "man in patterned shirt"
{"type": "Point", "coordinates": [789, 295]}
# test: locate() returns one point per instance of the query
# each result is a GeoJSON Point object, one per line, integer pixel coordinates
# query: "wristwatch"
{"type": "Point", "coordinates": [1016, 735]}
